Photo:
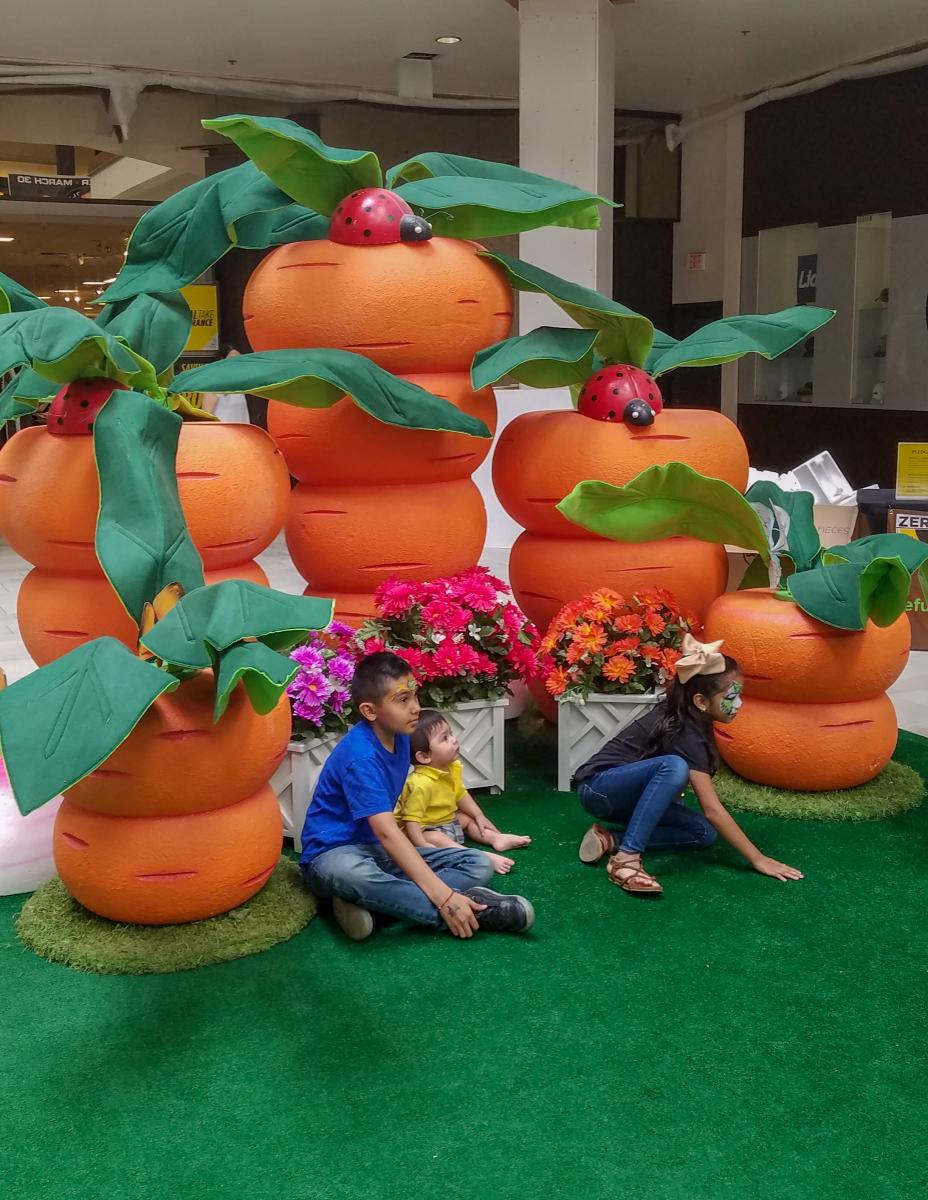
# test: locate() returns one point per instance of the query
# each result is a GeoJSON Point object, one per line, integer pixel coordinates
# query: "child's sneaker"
{"type": "Point", "coordinates": [503, 914]}
{"type": "Point", "coordinates": [354, 922]}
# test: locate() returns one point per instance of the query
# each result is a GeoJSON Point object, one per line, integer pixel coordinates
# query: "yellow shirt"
{"type": "Point", "coordinates": [430, 796]}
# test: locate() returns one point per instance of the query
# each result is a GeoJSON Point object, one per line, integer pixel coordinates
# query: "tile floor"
{"type": "Point", "coordinates": [910, 694]}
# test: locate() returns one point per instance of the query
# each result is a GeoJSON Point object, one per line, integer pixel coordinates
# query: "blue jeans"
{"type": "Point", "coordinates": [645, 798]}
{"type": "Point", "coordinates": [368, 876]}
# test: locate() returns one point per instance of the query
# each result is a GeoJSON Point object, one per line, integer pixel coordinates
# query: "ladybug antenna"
{"type": "Point", "coordinates": [414, 228]}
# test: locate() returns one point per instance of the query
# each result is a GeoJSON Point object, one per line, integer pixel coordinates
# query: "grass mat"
{"type": "Point", "coordinates": [57, 927]}
{"type": "Point", "coordinates": [738, 1037]}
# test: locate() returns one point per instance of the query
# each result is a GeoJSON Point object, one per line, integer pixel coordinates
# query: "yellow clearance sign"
{"type": "Point", "coordinates": [204, 305]}
{"type": "Point", "coordinates": [912, 471]}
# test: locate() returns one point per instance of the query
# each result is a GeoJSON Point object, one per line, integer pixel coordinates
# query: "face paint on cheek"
{"type": "Point", "coordinates": [731, 701]}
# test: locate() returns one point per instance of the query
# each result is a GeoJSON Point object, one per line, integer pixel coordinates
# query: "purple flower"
{"type": "Point", "coordinates": [308, 712]}
{"type": "Point", "coordinates": [341, 630]}
{"type": "Point", "coordinates": [307, 656]}
{"type": "Point", "coordinates": [341, 667]}
{"type": "Point", "coordinates": [313, 688]}
{"type": "Point", "coordinates": [339, 698]}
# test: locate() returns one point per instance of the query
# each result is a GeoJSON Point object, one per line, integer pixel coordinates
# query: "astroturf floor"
{"type": "Point", "coordinates": [736, 1038]}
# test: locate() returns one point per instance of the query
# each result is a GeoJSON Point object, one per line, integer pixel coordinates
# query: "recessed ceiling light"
{"type": "Point", "coordinates": [7, 239]}
{"type": "Point", "coordinates": [66, 291]}
{"type": "Point", "coordinates": [48, 297]}
{"type": "Point", "coordinates": [448, 40]}
{"type": "Point", "coordinates": [112, 279]}
{"type": "Point", "coordinates": [95, 282]}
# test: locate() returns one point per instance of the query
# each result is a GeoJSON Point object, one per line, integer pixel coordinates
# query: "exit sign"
{"type": "Point", "coordinates": [697, 261]}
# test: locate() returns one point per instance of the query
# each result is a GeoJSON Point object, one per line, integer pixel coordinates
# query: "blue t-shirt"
{"type": "Point", "coordinates": [360, 778]}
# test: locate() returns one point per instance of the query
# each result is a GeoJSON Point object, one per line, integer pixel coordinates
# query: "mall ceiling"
{"type": "Point", "coordinates": [671, 55]}
{"type": "Point", "coordinates": [63, 261]}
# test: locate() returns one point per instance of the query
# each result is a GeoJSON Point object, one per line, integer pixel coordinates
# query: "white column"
{"type": "Point", "coordinates": [566, 130]}
{"type": "Point", "coordinates": [731, 264]}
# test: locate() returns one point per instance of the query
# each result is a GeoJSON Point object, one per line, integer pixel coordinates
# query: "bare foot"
{"type": "Point", "coordinates": [507, 841]}
{"type": "Point", "coordinates": [501, 865]}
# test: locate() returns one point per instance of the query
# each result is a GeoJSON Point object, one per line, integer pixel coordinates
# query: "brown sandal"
{"type": "Point", "coordinates": [631, 878]}
{"type": "Point", "coordinates": [596, 843]}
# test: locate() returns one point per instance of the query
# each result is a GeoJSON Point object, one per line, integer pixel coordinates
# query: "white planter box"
{"type": "Point", "coordinates": [295, 778]}
{"type": "Point", "coordinates": [480, 727]}
{"type": "Point", "coordinates": [583, 729]}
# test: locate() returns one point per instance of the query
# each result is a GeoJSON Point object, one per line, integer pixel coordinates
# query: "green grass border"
{"type": "Point", "coordinates": [59, 929]}
{"type": "Point", "coordinates": [896, 790]}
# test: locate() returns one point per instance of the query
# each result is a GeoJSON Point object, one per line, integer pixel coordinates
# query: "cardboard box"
{"type": "Point", "coordinates": [914, 524]}
{"type": "Point", "coordinates": [836, 525]}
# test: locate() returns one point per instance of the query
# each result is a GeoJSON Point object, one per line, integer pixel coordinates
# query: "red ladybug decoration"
{"type": "Point", "coordinates": [376, 217]}
{"type": "Point", "coordinates": [75, 407]}
{"type": "Point", "coordinates": [621, 393]}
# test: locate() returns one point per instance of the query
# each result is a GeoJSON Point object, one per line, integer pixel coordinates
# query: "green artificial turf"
{"type": "Point", "coordinates": [736, 1039]}
{"type": "Point", "coordinates": [57, 927]}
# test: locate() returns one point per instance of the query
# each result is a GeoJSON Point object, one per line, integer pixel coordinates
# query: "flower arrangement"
{"type": "Point", "coordinates": [319, 692]}
{"type": "Point", "coordinates": [606, 644]}
{"type": "Point", "coordinates": [463, 637]}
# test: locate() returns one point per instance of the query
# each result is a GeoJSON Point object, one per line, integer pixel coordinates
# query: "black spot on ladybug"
{"type": "Point", "coordinates": [381, 196]}
{"type": "Point", "coordinates": [598, 378]}
{"type": "Point", "coordinates": [615, 391]}
{"type": "Point", "coordinates": [619, 374]}
{"type": "Point", "coordinates": [367, 233]}
{"type": "Point", "coordinates": [650, 395]}
{"type": "Point", "coordinates": [90, 426]}
{"type": "Point", "coordinates": [611, 414]}
{"type": "Point", "coordinates": [367, 207]}
{"type": "Point", "coordinates": [391, 217]}
{"type": "Point", "coordinates": [61, 420]}
{"type": "Point", "coordinates": [592, 399]}
{"type": "Point", "coordinates": [339, 209]}
{"type": "Point", "coordinates": [349, 221]}
{"type": "Point", "coordinates": [85, 404]}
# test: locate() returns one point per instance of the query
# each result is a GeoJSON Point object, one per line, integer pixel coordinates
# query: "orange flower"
{"type": "Point", "coordinates": [654, 621]}
{"type": "Point", "coordinates": [629, 623]}
{"type": "Point", "coordinates": [591, 636]}
{"type": "Point", "coordinates": [557, 681]}
{"type": "Point", "coordinates": [656, 597]}
{"type": "Point", "coordinates": [576, 651]}
{"type": "Point", "coordinates": [619, 669]}
{"type": "Point", "coordinates": [622, 646]}
{"type": "Point", "coordinates": [651, 652]}
{"type": "Point", "coordinates": [669, 659]}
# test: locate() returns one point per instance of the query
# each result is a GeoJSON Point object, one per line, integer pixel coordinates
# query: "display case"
{"type": "Point", "coordinates": [871, 308]}
{"type": "Point", "coordinates": [787, 274]}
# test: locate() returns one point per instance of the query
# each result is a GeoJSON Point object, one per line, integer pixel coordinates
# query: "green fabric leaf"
{"type": "Point", "coordinates": [661, 344]}
{"type": "Point", "coordinates": [63, 345]}
{"type": "Point", "coordinates": [868, 579]}
{"type": "Point", "coordinates": [319, 378]}
{"type": "Point", "coordinates": [183, 236]}
{"type": "Point", "coordinates": [791, 520]}
{"type": "Point", "coordinates": [142, 540]}
{"type": "Point", "coordinates": [461, 207]}
{"type": "Point", "coordinates": [264, 673]}
{"type": "Point", "coordinates": [23, 394]}
{"type": "Point", "coordinates": [156, 326]}
{"type": "Point", "coordinates": [546, 357]}
{"type": "Point", "coordinates": [211, 619]}
{"type": "Point", "coordinates": [768, 335]}
{"type": "Point", "coordinates": [63, 721]}
{"type": "Point", "coordinates": [293, 223]}
{"type": "Point", "coordinates": [298, 161]}
{"type": "Point", "coordinates": [624, 336]}
{"type": "Point", "coordinates": [16, 298]}
{"type": "Point", "coordinates": [664, 502]}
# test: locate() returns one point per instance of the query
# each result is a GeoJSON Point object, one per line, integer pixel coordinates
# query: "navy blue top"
{"type": "Point", "coordinates": [360, 778]}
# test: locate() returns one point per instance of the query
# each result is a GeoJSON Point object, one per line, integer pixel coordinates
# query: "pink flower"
{"type": "Point", "coordinates": [374, 645]}
{"type": "Point", "coordinates": [395, 597]}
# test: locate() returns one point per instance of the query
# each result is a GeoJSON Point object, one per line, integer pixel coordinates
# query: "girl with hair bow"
{"type": "Point", "coordinates": [637, 779]}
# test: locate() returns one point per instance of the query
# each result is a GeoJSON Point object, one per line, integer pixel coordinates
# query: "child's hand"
{"type": "Point", "coordinates": [776, 870]}
{"type": "Point", "coordinates": [459, 913]}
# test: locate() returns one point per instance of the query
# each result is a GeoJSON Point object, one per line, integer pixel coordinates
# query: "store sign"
{"type": "Point", "coordinates": [912, 471]}
{"type": "Point", "coordinates": [915, 525]}
{"type": "Point", "coordinates": [48, 187]}
{"type": "Point", "coordinates": [204, 307]}
{"type": "Point", "coordinates": [806, 278]}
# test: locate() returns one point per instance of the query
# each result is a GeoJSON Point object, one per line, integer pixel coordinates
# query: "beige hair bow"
{"type": "Point", "coordinates": [699, 658]}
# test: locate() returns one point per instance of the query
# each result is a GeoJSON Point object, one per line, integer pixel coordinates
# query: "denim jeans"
{"type": "Point", "coordinates": [645, 798]}
{"type": "Point", "coordinates": [368, 876]}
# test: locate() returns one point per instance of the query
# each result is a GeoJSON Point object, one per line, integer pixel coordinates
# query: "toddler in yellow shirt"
{"type": "Point", "coordinates": [435, 809]}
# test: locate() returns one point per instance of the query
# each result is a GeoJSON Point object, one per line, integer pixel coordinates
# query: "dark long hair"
{"type": "Point", "coordinates": [680, 709]}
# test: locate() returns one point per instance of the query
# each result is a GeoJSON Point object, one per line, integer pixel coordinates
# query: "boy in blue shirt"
{"type": "Point", "coordinates": [353, 849]}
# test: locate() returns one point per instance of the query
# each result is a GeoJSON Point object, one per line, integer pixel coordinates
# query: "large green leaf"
{"type": "Point", "coordinates": [665, 502]}
{"type": "Point", "coordinates": [63, 721]}
{"type": "Point", "coordinates": [183, 236]}
{"type": "Point", "coordinates": [212, 619]}
{"type": "Point", "coordinates": [624, 336]}
{"type": "Point", "coordinates": [63, 345]}
{"type": "Point", "coordinates": [16, 298]}
{"type": "Point", "coordinates": [461, 207]}
{"type": "Point", "coordinates": [869, 579]}
{"type": "Point", "coordinates": [789, 520]}
{"type": "Point", "coordinates": [142, 539]}
{"type": "Point", "coordinates": [298, 161]}
{"type": "Point", "coordinates": [264, 673]}
{"type": "Point", "coordinates": [157, 326]}
{"type": "Point", "coordinates": [768, 335]}
{"type": "Point", "coordinates": [279, 227]}
{"type": "Point", "coordinates": [22, 395]}
{"type": "Point", "coordinates": [319, 378]}
{"type": "Point", "coordinates": [546, 357]}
